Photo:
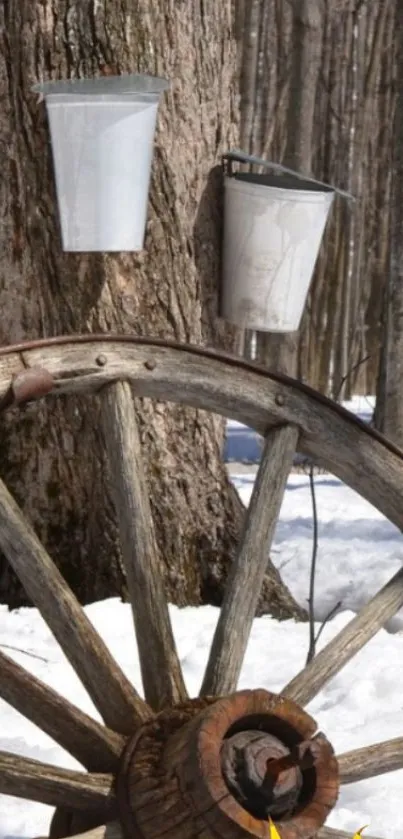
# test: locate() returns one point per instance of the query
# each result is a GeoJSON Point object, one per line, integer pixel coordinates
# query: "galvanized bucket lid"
{"type": "Point", "coordinates": [105, 86]}
{"type": "Point", "coordinates": [300, 181]}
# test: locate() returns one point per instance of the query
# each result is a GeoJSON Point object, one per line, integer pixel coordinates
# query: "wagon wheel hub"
{"type": "Point", "coordinates": [227, 764]}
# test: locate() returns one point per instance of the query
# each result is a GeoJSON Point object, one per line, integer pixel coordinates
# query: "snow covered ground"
{"type": "Point", "coordinates": [244, 445]}
{"type": "Point", "coordinates": [358, 552]}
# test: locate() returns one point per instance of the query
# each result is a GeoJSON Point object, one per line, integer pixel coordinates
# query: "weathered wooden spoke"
{"type": "Point", "coordinates": [348, 642]}
{"type": "Point", "coordinates": [171, 780]}
{"type": "Point", "coordinates": [113, 830]}
{"type": "Point", "coordinates": [120, 705]}
{"type": "Point", "coordinates": [160, 667]}
{"type": "Point", "coordinates": [89, 742]}
{"type": "Point", "coordinates": [26, 778]}
{"type": "Point", "coordinates": [248, 570]}
{"type": "Point", "coordinates": [371, 761]}
{"type": "Point", "coordinates": [323, 833]}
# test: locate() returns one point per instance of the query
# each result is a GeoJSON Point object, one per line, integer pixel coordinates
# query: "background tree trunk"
{"type": "Point", "coordinates": [389, 407]}
{"type": "Point", "coordinates": [279, 351]}
{"type": "Point", "coordinates": [52, 458]}
{"type": "Point", "coordinates": [345, 67]}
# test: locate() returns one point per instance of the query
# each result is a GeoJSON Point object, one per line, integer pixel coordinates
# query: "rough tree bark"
{"type": "Point", "coordinates": [389, 403]}
{"type": "Point", "coordinates": [52, 458]}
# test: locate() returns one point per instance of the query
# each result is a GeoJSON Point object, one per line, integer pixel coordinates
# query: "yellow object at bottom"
{"type": "Point", "coordinates": [274, 834]}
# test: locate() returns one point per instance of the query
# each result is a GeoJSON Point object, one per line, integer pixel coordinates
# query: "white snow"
{"type": "Point", "coordinates": [358, 551]}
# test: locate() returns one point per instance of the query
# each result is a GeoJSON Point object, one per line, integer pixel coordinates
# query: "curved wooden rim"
{"type": "Point", "coordinates": [201, 378]}
{"type": "Point", "coordinates": [204, 352]}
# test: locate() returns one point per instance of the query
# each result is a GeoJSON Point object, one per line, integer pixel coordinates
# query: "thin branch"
{"type": "Point", "coordinates": [24, 652]}
{"type": "Point", "coordinates": [328, 617]}
{"type": "Point", "coordinates": [348, 374]}
{"type": "Point", "coordinates": [330, 660]}
{"type": "Point", "coordinates": [311, 598]}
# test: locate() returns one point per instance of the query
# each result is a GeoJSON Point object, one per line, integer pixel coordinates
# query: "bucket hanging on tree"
{"type": "Point", "coordinates": [273, 228]}
{"type": "Point", "coordinates": [102, 134]}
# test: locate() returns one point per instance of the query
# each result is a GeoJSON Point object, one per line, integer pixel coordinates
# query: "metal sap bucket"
{"type": "Point", "coordinates": [273, 228]}
{"type": "Point", "coordinates": [102, 134]}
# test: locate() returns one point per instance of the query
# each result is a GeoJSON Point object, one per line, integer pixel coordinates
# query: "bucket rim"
{"type": "Point", "coordinates": [71, 100]}
{"type": "Point", "coordinates": [130, 83]}
{"type": "Point", "coordinates": [290, 193]}
{"type": "Point", "coordinates": [285, 183]}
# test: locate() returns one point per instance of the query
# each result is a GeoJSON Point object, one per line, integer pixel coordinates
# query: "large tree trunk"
{"type": "Point", "coordinates": [52, 458]}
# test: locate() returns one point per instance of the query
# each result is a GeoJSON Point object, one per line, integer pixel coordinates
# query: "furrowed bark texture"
{"type": "Point", "coordinates": [53, 457]}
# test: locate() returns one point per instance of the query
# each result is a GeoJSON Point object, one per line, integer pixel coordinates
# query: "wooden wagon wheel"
{"type": "Point", "coordinates": [219, 765]}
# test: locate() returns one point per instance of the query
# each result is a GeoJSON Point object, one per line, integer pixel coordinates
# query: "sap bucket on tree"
{"type": "Point", "coordinates": [273, 228]}
{"type": "Point", "coordinates": [102, 134]}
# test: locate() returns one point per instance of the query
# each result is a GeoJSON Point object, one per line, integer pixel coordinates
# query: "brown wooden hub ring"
{"type": "Point", "coordinates": [178, 777]}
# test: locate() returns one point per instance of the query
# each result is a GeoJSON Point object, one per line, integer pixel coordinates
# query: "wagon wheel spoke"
{"type": "Point", "coordinates": [207, 380]}
{"type": "Point", "coordinates": [370, 761]}
{"type": "Point", "coordinates": [160, 667]}
{"type": "Point", "coordinates": [246, 576]}
{"type": "Point", "coordinates": [112, 830]}
{"type": "Point", "coordinates": [112, 694]}
{"type": "Point", "coordinates": [26, 778]}
{"type": "Point", "coordinates": [348, 642]}
{"type": "Point", "coordinates": [93, 745]}
{"type": "Point", "coordinates": [323, 833]}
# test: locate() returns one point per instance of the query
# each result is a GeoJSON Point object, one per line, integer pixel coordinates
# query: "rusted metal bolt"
{"type": "Point", "coordinates": [279, 399]}
{"type": "Point", "coordinates": [150, 364]}
{"type": "Point", "coordinates": [101, 360]}
{"type": "Point", "coordinates": [31, 384]}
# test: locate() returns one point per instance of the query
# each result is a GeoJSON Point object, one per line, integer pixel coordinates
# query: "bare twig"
{"type": "Point", "coordinates": [348, 374]}
{"type": "Point", "coordinates": [311, 598]}
{"type": "Point", "coordinates": [326, 620]}
{"type": "Point", "coordinates": [24, 652]}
